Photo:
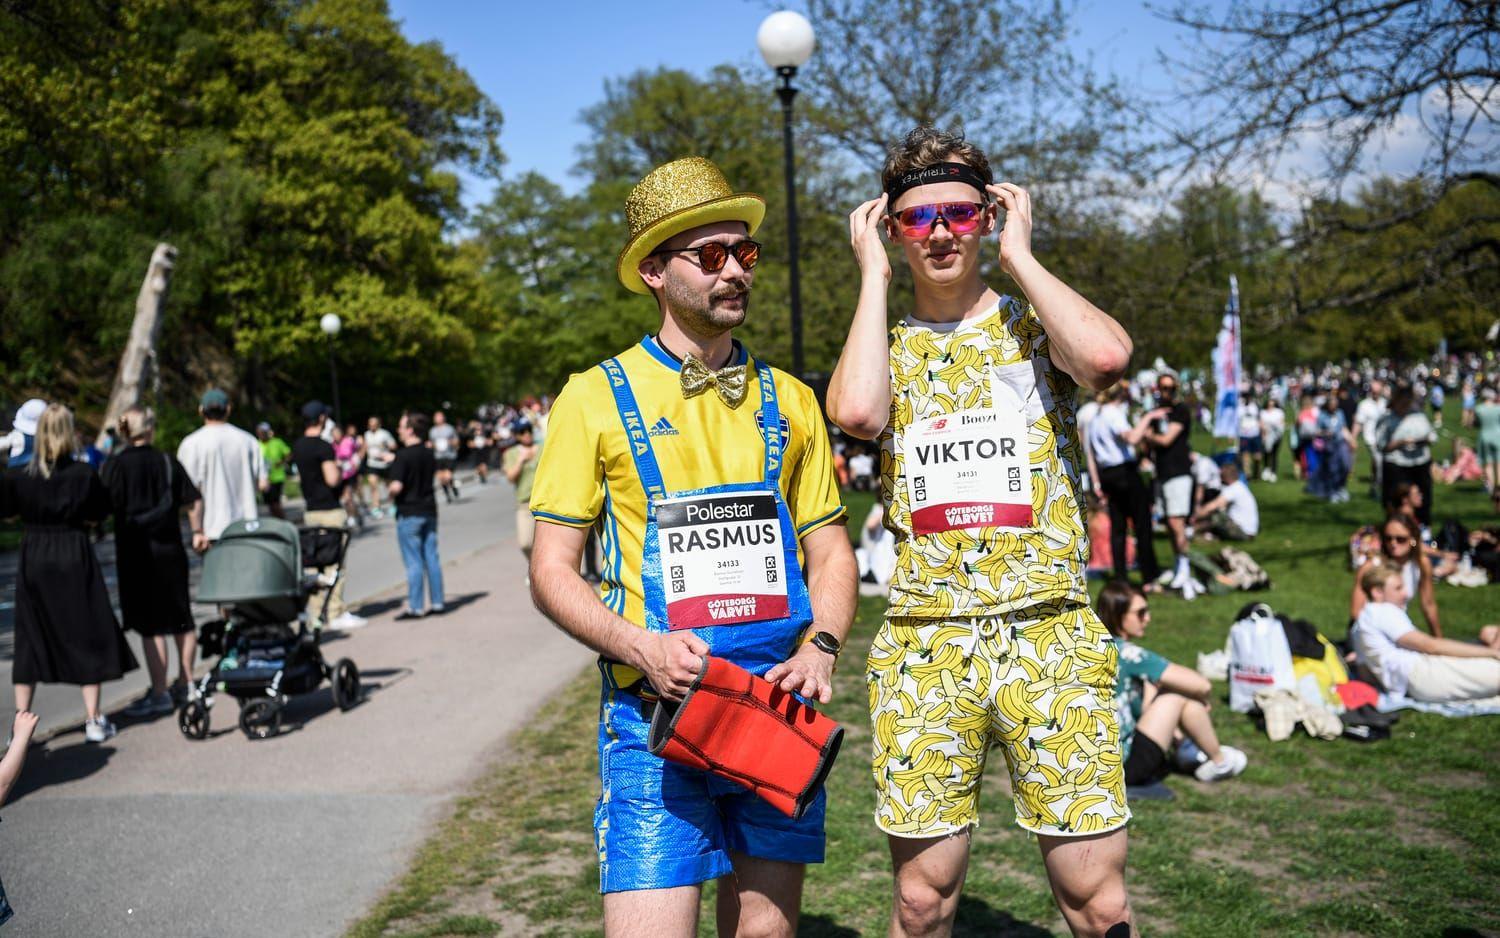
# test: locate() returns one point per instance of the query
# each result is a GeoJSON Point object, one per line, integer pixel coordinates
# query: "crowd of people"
{"type": "Point", "coordinates": [711, 482]}
{"type": "Point", "coordinates": [65, 491]}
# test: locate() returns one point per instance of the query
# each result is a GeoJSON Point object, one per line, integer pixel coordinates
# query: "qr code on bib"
{"type": "Point", "coordinates": [1013, 476]}
{"type": "Point", "coordinates": [919, 486]}
{"type": "Point", "coordinates": [772, 576]}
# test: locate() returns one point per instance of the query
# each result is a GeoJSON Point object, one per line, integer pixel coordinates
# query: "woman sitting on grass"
{"type": "Point", "coordinates": [1158, 702]}
{"type": "Point", "coordinates": [1401, 547]}
{"type": "Point", "coordinates": [1408, 663]}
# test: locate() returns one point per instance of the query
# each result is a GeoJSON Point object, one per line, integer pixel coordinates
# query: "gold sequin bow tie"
{"type": "Point", "coordinates": [728, 382]}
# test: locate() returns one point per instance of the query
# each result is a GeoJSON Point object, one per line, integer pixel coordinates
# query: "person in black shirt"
{"type": "Point", "coordinates": [1170, 427]}
{"type": "Point", "coordinates": [149, 489]}
{"type": "Point", "coordinates": [322, 489]}
{"type": "Point", "coordinates": [412, 491]}
{"type": "Point", "coordinates": [65, 629]}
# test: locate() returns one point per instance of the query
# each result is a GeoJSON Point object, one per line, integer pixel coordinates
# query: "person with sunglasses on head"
{"type": "Point", "coordinates": [1160, 705]}
{"type": "Point", "coordinates": [988, 632]}
{"type": "Point", "coordinates": [710, 478]}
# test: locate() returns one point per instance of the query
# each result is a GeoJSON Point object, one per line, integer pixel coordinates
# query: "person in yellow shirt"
{"type": "Point", "coordinates": [709, 477]}
{"type": "Point", "coordinates": [989, 639]}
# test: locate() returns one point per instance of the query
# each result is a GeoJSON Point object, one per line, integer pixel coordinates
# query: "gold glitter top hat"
{"type": "Point", "coordinates": [673, 198]}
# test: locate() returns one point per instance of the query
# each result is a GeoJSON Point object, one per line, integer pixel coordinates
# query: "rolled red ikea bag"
{"type": "Point", "coordinates": [748, 730]}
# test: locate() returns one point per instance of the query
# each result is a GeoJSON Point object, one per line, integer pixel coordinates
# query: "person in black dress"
{"type": "Point", "coordinates": [66, 632]}
{"type": "Point", "coordinates": [149, 489]}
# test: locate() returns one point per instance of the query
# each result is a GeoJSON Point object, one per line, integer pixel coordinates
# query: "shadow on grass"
{"type": "Point", "coordinates": [821, 926]}
{"type": "Point", "coordinates": [977, 917]}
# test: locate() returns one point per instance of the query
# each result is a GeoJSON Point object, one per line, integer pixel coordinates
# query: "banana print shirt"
{"type": "Point", "coordinates": [941, 368]}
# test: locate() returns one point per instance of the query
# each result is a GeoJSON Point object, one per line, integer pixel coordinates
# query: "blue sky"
{"type": "Point", "coordinates": [544, 66]}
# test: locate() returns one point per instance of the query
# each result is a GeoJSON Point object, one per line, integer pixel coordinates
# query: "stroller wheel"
{"type": "Point", "coordinates": [193, 720]}
{"type": "Point", "coordinates": [345, 684]}
{"type": "Point", "coordinates": [261, 719]}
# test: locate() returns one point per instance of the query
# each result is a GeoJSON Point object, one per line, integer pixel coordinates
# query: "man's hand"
{"type": "Point", "coordinates": [671, 661]}
{"type": "Point", "coordinates": [864, 235]}
{"type": "Point", "coordinates": [1015, 237]}
{"type": "Point", "coordinates": [808, 672]}
{"type": "Point", "coordinates": [23, 727]}
{"type": "Point", "coordinates": [200, 542]}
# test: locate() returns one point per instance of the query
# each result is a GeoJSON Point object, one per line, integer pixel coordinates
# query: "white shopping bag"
{"type": "Point", "coordinates": [1259, 658]}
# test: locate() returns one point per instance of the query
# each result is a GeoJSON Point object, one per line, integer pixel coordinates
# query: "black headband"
{"type": "Point", "coordinates": [939, 172]}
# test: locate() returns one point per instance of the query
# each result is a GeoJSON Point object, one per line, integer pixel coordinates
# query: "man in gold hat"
{"type": "Point", "coordinates": [709, 477]}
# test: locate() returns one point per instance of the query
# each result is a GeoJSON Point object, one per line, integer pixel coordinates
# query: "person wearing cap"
{"type": "Point", "coordinates": [23, 432]}
{"type": "Point", "coordinates": [708, 474]}
{"type": "Point", "coordinates": [278, 456]}
{"type": "Point", "coordinates": [225, 465]}
{"type": "Point", "coordinates": [519, 465]}
{"type": "Point", "coordinates": [322, 491]}
{"type": "Point", "coordinates": [989, 633]}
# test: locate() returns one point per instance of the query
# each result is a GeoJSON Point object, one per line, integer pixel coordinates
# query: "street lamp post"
{"type": "Point", "coordinates": [786, 42]}
{"type": "Point", "coordinates": [331, 324]}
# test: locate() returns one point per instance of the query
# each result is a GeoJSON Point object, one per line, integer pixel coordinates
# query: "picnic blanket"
{"type": "Point", "coordinates": [1454, 708]}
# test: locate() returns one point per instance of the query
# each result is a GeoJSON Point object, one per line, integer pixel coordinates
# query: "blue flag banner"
{"type": "Point", "coordinates": [1226, 362]}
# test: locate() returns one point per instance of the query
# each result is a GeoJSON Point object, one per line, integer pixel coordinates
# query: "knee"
{"type": "Point", "coordinates": [922, 908]}
{"type": "Point", "coordinates": [1106, 914]}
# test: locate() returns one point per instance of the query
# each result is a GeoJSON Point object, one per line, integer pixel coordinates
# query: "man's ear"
{"type": "Point", "coordinates": [652, 272]}
{"type": "Point", "coordinates": [991, 218]}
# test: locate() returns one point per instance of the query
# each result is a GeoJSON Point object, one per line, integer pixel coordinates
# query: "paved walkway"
{"type": "Point", "coordinates": [480, 518]}
{"type": "Point", "coordinates": [152, 834]}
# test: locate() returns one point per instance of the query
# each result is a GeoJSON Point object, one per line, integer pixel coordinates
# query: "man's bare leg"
{"type": "Point", "coordinates": [760, 899]}
{"type": "Point", "coordinates": [1088, 882]}
{"type": "Point", "coordinates": [929, 875]}
{"type": "Point", "coordinates": [649, 913]}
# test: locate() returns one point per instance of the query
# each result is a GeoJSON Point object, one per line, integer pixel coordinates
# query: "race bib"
{"type": "Point", "coordinates": [972, 468]}
{"type": "Point", "coordinates": [722, 559]}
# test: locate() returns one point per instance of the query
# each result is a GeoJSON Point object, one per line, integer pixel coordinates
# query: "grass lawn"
{"type": "Point", "coordinates": [1399, 837]}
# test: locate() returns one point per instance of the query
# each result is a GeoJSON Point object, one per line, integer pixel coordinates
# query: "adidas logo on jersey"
{"type": "Point", "coordinates": [662, 428]}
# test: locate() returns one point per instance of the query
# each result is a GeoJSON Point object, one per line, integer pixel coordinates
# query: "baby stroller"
{"type": "Point", "coordinates": [267, 648]}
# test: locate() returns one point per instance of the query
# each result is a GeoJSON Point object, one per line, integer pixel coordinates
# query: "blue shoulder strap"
{"type": "Point", "coordinates": [770, 415]}
{"type": "Point", "coordinates": [636, 437]}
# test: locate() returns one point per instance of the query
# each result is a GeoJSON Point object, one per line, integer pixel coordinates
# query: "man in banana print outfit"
{"type": "Point", "coordinates": [989, 638]}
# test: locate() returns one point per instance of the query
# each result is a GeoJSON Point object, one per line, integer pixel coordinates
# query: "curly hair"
{"type": "Point", "coordinates": [926, 146]}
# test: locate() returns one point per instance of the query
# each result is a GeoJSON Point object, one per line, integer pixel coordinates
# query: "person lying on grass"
{"type": "Point", "coordinates": [1158, 702]}
{"type": "Point", "coordinates": [1406, 662]}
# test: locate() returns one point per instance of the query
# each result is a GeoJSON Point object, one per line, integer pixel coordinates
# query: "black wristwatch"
{"type": "Point", "coordinates": [824, 641]}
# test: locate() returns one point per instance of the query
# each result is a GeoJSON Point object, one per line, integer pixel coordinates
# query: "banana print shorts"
{"type": "Point", "coordinates": [1038, 684]}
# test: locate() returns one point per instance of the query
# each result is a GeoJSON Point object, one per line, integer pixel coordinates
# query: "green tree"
{"type": "Point", "coordinates": [299, 154]}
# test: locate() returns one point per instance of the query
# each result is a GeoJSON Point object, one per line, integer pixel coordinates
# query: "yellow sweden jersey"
{"type": "Point", "coordinates": [587, 472]}
{"type": "Point", "coordinates": [940, 368]}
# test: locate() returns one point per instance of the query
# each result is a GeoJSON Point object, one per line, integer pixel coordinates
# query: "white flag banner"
{"type": "Point", "coordinates": [1226, 361]}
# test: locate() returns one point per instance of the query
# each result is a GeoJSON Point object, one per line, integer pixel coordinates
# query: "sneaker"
{"type": "Point", "coordinates": [348, 621]}
{"type": "Point", "coordinates": [97, 731]}
{"type": "Point", "coordinates": [437, 610]}
{"type": "Point", "coordinates": [151, 705]}
{"type": "Point", "coordinates": [407, 615]}
{"type": "Point", "coordinates": [1232, 763]}
{"type": "Point", "coordinates": [1164, 580]}
{"type": "Point", "coordinates": [182, 692]}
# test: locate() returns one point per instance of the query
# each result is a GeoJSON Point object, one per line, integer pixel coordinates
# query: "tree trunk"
{"type": "Point", "coordinates": [140, 350]}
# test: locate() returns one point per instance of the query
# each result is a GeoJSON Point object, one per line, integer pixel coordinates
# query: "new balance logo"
{"type": "Point", "coordinates": [662, 428]}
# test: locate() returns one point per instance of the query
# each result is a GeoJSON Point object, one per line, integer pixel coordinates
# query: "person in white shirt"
{"type": "Point", "coordinates": [1233, 514]}
{"type": "Point", "coordinates": [1272, 429]}
{"type": "Point", "coordinates": [380, 449]}
{"type": "Point", "coordinates": [225, 464]}
{"type": "Point", "coordinates": [1111, 443]}
{"type": "Point", "coordinates": [1367, 427]}
{"type": "Point", "coordinates": [1250, 448]}
{"type": "Point", "coordinates": [1406, 662]}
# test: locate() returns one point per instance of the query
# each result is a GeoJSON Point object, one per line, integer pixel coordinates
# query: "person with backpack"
{"type": "Point", "coordinates": [1159, 703]}
{"type": "Point", "coordinates": [149, 489]}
